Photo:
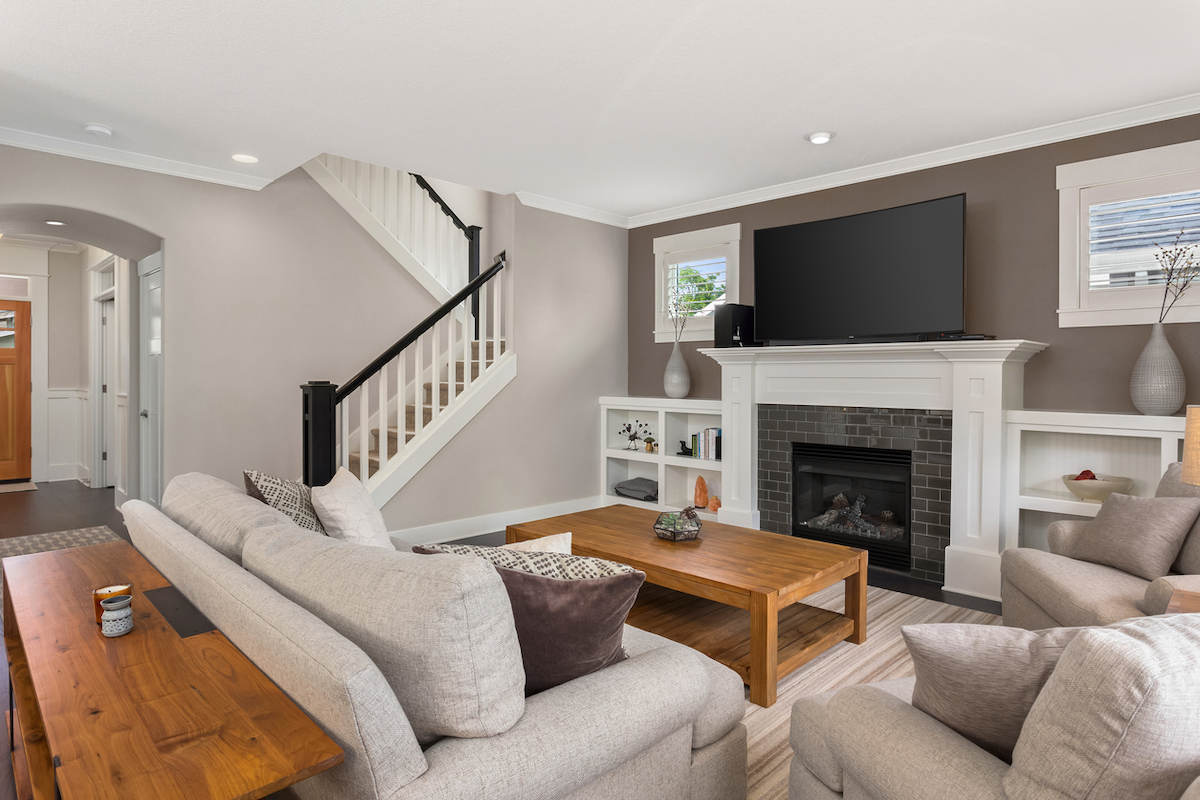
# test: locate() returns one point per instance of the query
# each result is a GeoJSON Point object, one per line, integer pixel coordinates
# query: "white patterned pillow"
{"type": "Point", "coordinates": [549, 565]}
{"type": "Point", "coordinates": [292, 498]}
{"type": "Point", "coordinates": [348, 512]}
{"type": "Point", "coordinates": [556, 543]}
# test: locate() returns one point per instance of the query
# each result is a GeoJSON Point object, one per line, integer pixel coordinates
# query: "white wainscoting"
{"type": "Point", "coordinates": [67, 411]}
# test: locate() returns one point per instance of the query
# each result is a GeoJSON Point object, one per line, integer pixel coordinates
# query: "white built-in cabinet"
{"type": "Point", "coordinates": [670, 421]}
{"type": "Point", "coordinates": [1042, 446]}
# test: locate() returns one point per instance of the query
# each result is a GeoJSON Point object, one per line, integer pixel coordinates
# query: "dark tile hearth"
{"type": "Point", "coordinates": [926, 433]}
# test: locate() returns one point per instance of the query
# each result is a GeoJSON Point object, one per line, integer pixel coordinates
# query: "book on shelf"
{"type": "Point", "coordinates": [706, 445]}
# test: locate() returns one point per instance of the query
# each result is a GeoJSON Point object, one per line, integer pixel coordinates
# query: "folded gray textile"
{"type": "Point", "coordinates": [638, 489]}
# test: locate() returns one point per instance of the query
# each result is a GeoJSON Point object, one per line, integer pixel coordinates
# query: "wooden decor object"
{"type": "Point", "coordinates": [732, 594]}
{"type": "Point", "coordinates": [146, 715]}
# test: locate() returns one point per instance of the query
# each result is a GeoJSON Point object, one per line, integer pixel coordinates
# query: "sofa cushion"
{"type": "Point", "coordinates": [440, 629]}
{"type": "Point", "coordinates": [218, 513]}
{"type": "Point", "coordinates": [981, 680]}
{"type": "Point", "coordinates": [1172, 485]}
{"type": "Point", "coordinates": [569, 610]}
{"type": "Point", "coordinates": [1138, 535]}
{"type": "Point", "coordinates": [1117, 719]}
{"type": "Point", "coordinates": [810, 725]}
{"type": "Point", "coordinates": [1076, 593]}
{"type": "Point", "coordinates": [324, 673]}
{"type": "Point", "coordinates": [292, 498]}
{"type": "Point", "coordinates": [347, 512]}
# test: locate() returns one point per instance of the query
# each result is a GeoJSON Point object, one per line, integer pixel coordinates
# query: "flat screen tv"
{"type": "Point", "coordinates": [890, 275]}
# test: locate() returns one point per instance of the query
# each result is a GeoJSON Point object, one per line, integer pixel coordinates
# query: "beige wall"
{"type": "Point", "coordinates": [68, 348]}
{"type": "Point", "coordinates": [536, 443]}
{"type": "Point", "coordinates": [267, 290]}
{"type": "Point", "coordinates": [264, 291]}
{"type": "Point", "coordinates": [1011, 270]}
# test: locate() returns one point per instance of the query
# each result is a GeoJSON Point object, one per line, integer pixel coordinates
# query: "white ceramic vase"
{"type": "Point", "coordinates": [676, 380]}
{"type": "Point", "coordinates": [1156, 386]}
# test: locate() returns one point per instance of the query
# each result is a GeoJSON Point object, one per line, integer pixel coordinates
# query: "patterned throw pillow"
{"type": "Point", "coordinates": [293, 498]}
{"type": "Point", "coordinates": [569, 610]}
{"type": "Point", "coordinates": [348, 513]}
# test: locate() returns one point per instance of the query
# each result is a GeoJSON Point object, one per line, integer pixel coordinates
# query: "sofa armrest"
{"type": "Point", "coordinates": [1159, 592]}
{"type": "Point", "coordinates": [896, 752]}
{"type": "Point", "coordinates": [572, 734]}
{"type": "Point", "coordinates": [1062, 533]}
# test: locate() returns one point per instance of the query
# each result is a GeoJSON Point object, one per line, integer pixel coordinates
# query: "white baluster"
{"type": "Point", "coordinates": [404, 192]}
{"type": "Point", "coordinates": [483, 322]}
{"type": "Point", "coordinates": [344, 415]}
{"type": "Point", "coordinates": [364, 433]}
{"type": "Point", "coordinates": [418, 383]}
{"type": "Point", "coordinates": [362, 186]}
{"type": "Point", "coordinates": [381, 439]}
{"type": "Point", "coordinates": [401, 400]}
{"type": "Point", "coordinates": [450, 382]}
{"type": "Point", "coordinates": [467, 332]}
{"type": "Point", "coordinates": [434, 339]}
{"type": "Point", "coordinates": [418, 222]}
{"type": "Point", "coordinates": [391, 214]}
{"type": "Point", "coordinates": [496, 337]}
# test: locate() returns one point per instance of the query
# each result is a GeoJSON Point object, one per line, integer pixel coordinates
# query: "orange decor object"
{"type": "Point", "coordinates": [714, 503]}
{"type": "Point", "coordinates": [106, 592]}
{"type": "Point", "coordinates": [701, 500]}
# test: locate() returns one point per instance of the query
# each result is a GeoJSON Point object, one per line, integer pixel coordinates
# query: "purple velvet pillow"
{"type": "Point", "coordinates": [569, 610]}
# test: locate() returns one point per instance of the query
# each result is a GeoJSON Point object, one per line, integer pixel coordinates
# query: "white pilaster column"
{"type": "Point", "coordinates": [988, 381]}
{"type": "Point", "coordinates": [739, 436]}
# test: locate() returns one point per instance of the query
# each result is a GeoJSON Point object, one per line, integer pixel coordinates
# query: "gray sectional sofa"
{"type": "Point", "coordinates": [409, 663]}
{"type": "Point", "coordinates": [1042, 589]}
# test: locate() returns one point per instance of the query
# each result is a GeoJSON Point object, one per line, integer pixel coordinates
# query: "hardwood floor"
{"type": "Point", "coordinates": [58, 506]}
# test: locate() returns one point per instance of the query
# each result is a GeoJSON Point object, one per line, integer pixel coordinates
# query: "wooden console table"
{"type": "Point", "coordinates": [152, 714]}
{"type": "Point", "coordinates": [733, 594]}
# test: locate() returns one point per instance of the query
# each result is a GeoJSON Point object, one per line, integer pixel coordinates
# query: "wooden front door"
{"type": "Point", "coordinates": [16, 452]}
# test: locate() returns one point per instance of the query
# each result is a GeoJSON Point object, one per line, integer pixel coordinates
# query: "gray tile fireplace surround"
{"type": "Point", "coordinates": [925, 432]}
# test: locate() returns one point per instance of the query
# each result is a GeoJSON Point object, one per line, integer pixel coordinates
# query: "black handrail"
{"type": "Point", "coordinates": [412, 336]}
{"type": "Point", "coordinates": [435, 197]}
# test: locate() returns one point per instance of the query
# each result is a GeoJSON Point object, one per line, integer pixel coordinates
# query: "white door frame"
{"type": "Point", "coordinates": [150, 429]}
{"type": "Point", "coordinates": [96, 339]}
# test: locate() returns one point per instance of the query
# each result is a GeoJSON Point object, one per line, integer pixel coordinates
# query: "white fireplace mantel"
{"type": "Point", "coordinates": [978, 381]}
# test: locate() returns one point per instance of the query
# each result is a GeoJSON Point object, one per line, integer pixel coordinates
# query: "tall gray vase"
{"type": "Point", "coordinates": [1156, 385]}
{"type": "Point", "coordinates": [677, 382]}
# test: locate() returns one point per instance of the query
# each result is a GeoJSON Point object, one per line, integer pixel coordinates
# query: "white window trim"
{"type": "Point", "coordinates": [1160, 170]}
{"type": "Point", "coordinates": [727, 239]}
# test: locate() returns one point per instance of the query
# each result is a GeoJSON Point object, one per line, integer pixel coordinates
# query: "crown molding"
{"type": "Point", "coordinates": [572, 209]}
{"type": "Point", "coordinates": [124, 158]}
{"type": "Point", "coordinates": [1049, 134]}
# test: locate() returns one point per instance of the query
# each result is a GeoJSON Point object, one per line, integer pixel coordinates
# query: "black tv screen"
{"type": "Point", "coordinates": [891, 274]}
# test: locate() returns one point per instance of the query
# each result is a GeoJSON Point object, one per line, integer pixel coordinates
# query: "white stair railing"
{"type": "Point", "coordinates": [405, 215]}
{"type": "Point", "coordinates": [391, 408]}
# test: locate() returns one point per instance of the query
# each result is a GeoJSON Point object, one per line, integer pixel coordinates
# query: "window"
{"type": "Point", "coordinates": [694, 272]}
{"type": "Point", "coordinates": [1113, 215]}
{"type": "Point", "coordinates": [15, 287]}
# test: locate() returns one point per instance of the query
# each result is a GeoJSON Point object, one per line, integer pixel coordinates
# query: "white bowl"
{"type": "Point", "coordinates": [1094, 491]}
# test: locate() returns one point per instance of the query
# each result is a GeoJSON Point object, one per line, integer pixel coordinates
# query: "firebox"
{"type": "Point", "coordinates": [856, 496]}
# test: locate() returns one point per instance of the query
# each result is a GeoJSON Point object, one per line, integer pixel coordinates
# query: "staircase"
{"type": "Point", "coordinates": [411, 429]}
{"type": "Point", "coordinates": [393, 417]}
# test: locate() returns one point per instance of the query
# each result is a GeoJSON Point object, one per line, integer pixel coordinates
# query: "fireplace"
{"type": "Point", "coordinates": [857, 496]}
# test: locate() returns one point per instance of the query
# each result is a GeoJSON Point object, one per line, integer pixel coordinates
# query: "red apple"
{"type": "Point", "coordinates": [1086, 475]}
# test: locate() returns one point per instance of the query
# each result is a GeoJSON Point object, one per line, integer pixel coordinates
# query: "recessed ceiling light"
{"type": "Point", "coordinates": [54, 222]}
{"type": "Point", "coordinates": [98, 129]}
{"type": "Point", "coordinates": [245, 159]}
{"type": "Point", "coordinates": [820, 137]}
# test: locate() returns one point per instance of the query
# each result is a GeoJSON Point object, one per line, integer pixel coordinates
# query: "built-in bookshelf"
{"type": "Point", "coordinates": [669, 422]}
{"type": "Point", "coordinates": [1045, 445]}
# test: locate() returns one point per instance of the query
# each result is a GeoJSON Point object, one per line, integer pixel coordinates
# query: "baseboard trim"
{"type": "Point", "coordinates": [489, 523]}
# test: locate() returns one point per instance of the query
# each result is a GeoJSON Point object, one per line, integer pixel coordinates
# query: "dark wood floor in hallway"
{"type": "Point", "coordinates": [58, 506]}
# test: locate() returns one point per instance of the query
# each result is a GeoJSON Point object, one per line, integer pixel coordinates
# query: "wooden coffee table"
{"type": "Point", "coordinates": [151, 714]}
{"type": "Point", "coordinates": [732, 594]}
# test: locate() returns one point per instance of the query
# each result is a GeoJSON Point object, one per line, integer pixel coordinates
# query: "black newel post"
{"type": "Point", "coordinates": [473, 238]}
{"type": "Point", "coordinates": [320, 432]}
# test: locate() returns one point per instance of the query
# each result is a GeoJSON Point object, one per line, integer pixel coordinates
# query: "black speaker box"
{"type": "Point", "coordinates": [733, 326]}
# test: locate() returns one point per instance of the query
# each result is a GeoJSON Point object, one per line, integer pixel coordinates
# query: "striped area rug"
{"type": "Point", "coordinates": [882, 657]}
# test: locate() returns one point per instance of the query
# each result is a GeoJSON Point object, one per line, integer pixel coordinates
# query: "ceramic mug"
{"type": "Point", "coordinates": [117, 619]}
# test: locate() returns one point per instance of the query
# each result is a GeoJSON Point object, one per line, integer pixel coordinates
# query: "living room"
{"type": "Point", "coordinates": [271, 286]}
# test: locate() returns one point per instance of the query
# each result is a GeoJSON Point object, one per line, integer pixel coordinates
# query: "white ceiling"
{"type": "Point", "coordinates": [620, 110]}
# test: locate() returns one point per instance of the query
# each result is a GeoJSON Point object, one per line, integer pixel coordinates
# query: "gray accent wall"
{"type": "Point", "coordinates": [68, 364]}
{"type": "Point", "coordinates": [1011, 269]}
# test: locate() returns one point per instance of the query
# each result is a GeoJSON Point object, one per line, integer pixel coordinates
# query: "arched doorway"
{"type": "Point", "coordinates": [128, 283]}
